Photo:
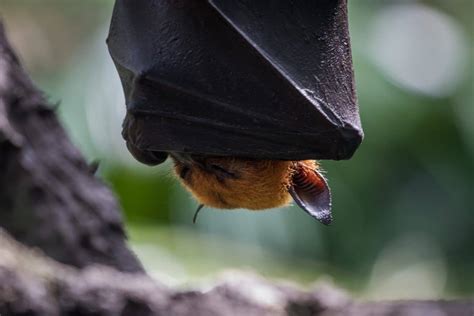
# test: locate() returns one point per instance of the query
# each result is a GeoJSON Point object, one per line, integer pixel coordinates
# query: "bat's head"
{"type": "Point", "coordinates": [228, 183]}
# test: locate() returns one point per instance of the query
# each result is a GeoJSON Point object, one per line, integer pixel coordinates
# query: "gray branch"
{"type": "Point", "coordinates": [32, 284]}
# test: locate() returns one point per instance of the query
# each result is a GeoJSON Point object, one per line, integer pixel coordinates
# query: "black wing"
{"type": "Point", "coordinates": [256, 79]}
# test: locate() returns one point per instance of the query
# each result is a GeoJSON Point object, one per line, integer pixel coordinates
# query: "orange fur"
{"type": "Point", "coordinates": [259, 184]}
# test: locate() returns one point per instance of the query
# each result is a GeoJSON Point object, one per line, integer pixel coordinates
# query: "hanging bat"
{"type": "Point", "coordinates": [229, 183]}
{"type": "Point", "coordinates": [243, 95]}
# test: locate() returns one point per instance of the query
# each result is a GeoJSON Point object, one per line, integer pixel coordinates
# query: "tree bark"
{"type": "Point", "coordinates": [49, 198]}
{"type": "Point", "coordinates": [32, 284]}
{"type": "Point", "coordinates": [63, 249]}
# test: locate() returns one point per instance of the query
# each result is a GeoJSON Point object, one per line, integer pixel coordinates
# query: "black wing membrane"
{"type": "Point", "coordinates": [255, 79]}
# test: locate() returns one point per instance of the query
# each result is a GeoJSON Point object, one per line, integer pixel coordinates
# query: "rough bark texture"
{"type": "Point", "coordinates": [63, 250]}
{"type": "Point", "coordinates": [32, 284]}
{"type": "Point", "coordinates": [49, 198]}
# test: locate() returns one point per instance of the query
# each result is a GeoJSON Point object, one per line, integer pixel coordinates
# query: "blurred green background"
{"type": "Point", "coordinates": [403, 206]}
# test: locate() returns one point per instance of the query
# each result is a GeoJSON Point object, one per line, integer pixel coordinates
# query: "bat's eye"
{"type": "Point", "coordinates": [222, 171]}
{"type": "Point", "coordinates": [184, 172]}
{"type": "Point", "coordinates": [217, 168]}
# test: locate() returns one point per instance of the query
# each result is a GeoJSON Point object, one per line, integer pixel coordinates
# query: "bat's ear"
{"type": "Point", "coordinates": [311, 192]}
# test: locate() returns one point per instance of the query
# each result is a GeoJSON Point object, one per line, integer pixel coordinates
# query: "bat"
{"type": "Point", "coordinates": [229, 183]}
{"type": "Point", "coordinates": [243, 95]}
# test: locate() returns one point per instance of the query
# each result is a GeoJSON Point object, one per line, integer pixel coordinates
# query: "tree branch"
{"type": "Point", "coordinates": [48, 197]}
{"type": "Point", "coordinates": [32, 284]}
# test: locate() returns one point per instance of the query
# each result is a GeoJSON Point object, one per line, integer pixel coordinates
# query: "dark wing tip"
{"type": "Point", "coordinates": [147, 157]}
